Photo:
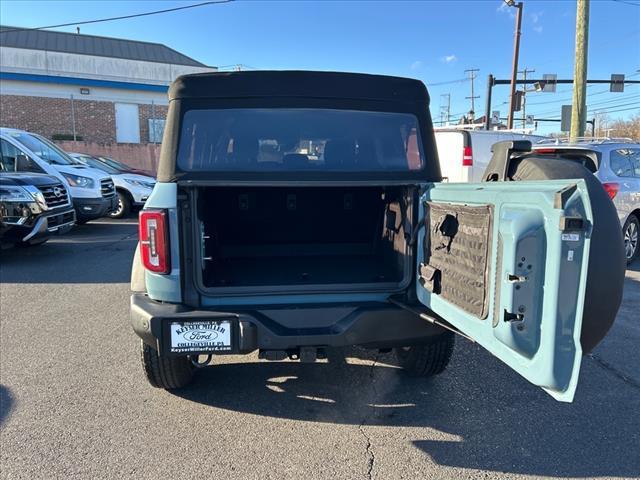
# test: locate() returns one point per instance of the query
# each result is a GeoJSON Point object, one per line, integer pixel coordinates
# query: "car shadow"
{"type": "Point", "coordinates": [97, 252]}
{"type": "Point", "coordinates": [499, 422]}
{"type": "Point", "coordinates": [7, 403]}
{"type": "Point", "coordinates": [634, 266]}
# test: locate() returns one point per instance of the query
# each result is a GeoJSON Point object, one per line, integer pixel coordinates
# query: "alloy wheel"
{"type": "Point", "coordinates": [631, 239]}
{"type": "Point", "coordinates": [118, 211]}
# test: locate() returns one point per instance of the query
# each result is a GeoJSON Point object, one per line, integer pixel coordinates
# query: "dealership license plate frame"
{"type": "Point", "coordinates": [224, 343]}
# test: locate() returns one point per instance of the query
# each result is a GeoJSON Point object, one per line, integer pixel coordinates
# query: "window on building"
{"type": "Point", "coordinates": [156, 130]}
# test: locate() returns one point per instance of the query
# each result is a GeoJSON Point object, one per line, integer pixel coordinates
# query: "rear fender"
{"type": "Point", "coordinates": [138, 281]}
{"type": "Point", "coordinates": [166, 288]}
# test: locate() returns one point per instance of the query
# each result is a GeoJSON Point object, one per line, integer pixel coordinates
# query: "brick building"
{"type": "Point", "coordinates": [100, 90]}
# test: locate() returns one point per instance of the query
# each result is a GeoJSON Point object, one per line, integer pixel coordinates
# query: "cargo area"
{"type": "Point", "coordinates": [296, 236]}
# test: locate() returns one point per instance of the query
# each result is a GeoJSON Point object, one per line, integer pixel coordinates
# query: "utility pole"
{"type": "Point", "coordinates": [514, 68]}
{"type": "Point", "coordinates": [524, 96]}
{"type": "Point", "coordinates": [445, 110]}
{"type": "Point", "coordinates": [472, 76]}
{"type": "Point", "coordinates": [579, 107]}
{"type": "Point", "coordinates": [487, 110]}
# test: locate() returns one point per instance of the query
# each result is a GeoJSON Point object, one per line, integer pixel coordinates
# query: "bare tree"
{"type": "Point", "coordinates": [626, 128]}
{"type": "Point", "coordinates": [602, 123]}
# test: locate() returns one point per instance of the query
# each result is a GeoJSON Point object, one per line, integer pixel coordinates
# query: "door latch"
{"type": "Point", "coordinates": [203, 246]}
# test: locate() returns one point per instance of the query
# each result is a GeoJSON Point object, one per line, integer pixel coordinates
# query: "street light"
{"type": "Point", "coordinates": [516, 50]}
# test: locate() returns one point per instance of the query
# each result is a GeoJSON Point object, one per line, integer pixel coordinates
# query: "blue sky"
{"type": "Point", "coordinates": [434, 41]}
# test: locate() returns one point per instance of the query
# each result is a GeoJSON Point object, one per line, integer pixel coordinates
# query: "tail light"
{"type": "Point", "coordinates": [467, 157]}
{"type": "Point", "coordinates": [154, 241]}
{"type": "Point", "coordinates": [545, 150]}
{"type": "Point", "coordinates": [612, 189]}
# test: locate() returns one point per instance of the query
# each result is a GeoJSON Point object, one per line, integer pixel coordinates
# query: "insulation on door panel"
{"type": "Point", "coordinates": [457, 255]}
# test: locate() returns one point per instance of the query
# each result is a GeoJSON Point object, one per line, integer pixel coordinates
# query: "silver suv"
{"type": "Point", "coordinates": [616, 163]}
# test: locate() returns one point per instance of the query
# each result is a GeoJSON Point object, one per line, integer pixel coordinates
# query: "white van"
{"type": "Point", "coordinates": [92, 191]}
{"type": "Point", "coordinates": [465, 154]}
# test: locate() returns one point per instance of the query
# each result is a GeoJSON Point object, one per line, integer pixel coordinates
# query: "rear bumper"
{"type": "Point", "coordinates": [90, 208]}
{"type": "Point", "coordinates": [375, 325]}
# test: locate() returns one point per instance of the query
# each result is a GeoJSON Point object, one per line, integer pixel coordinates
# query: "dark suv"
{"type": "Point", "coordinates": [32, 208]}
{"type": "Point", "coordinates": [296, 211]}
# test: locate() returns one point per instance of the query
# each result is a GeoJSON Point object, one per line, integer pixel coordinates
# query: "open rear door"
{"type": "Point", "coordinates": [506, 264]}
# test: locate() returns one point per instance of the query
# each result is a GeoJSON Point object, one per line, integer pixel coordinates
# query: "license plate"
{"type": "Point", "coordinates": [191, 337]}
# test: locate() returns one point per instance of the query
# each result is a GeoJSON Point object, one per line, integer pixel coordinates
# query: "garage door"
{"type": "Point", "coordinates": [127, 123]}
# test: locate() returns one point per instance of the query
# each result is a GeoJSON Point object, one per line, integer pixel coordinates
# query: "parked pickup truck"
{"type": "Point", "coordinates": [32, 208]}
{"type": "Point", "coordinates": [296, 211]}
{"type": "Point", "coordinates": [92, 191]}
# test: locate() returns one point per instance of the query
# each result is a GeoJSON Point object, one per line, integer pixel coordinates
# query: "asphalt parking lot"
{"type": "Point", "coordinates": [75, 404]}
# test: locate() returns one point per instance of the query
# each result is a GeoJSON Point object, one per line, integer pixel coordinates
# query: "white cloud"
{"type": "Point", "coordinates": [535, 20]}
{"type": "Point", "coordinates": [449, 58]}
{"type": "Point", "coordinates": [535, 16]}
{"type": "Point", "coordinates": [504, 8]}
{"type": "Point", "coordinates": [416, 65]}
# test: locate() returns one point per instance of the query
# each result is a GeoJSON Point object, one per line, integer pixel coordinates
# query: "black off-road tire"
{"type": "Point", "coordinates": [165, 372]}
{"type": "Point", "coordinates": [630, 231]}
{"type": "Point", "coordinates": [427, 360]}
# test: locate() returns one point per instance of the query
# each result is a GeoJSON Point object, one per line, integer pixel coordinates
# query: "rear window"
{"type": "Point", "coordinates": [256, 140]}
{"type": "Point", "coordinates": [625, 162]}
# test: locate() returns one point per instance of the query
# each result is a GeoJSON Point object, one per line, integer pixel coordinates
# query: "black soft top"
{"type": "Point", "coordinates": [295, 83]}
{"type": "Point", "coordinates": [296, 89]}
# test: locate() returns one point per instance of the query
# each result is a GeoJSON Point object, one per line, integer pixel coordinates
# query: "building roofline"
{"type": "Point", "coordinates": [14, 29]}
{"type": "Point", "coordinates": [86, 82]}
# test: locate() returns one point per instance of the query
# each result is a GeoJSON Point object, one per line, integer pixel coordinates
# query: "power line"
{"type": "Point", "coordinates": [569, 98]}
{"type": "Point", "coordinates": [588, 95]}
{"type": "Point", "coordinates": [603, 102]}
{"type": "Point", "coordinates": [627, 2]}
{"type": "Point", "coordinates": [615, 111]}
{"type": "Point", "coordinates": [635, 104]}
{"type": "Point", "coordinates": [448, 82]}
{"type": "Point", "coordinates": [613, 100]}
{"type": "Point", "coordinates": [122, 17]}
{"type": "Point", "coordinates": [600, 110]}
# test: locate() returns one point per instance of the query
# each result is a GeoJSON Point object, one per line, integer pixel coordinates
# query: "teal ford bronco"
{"type": "Point", "coordinates": [296, 211]}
